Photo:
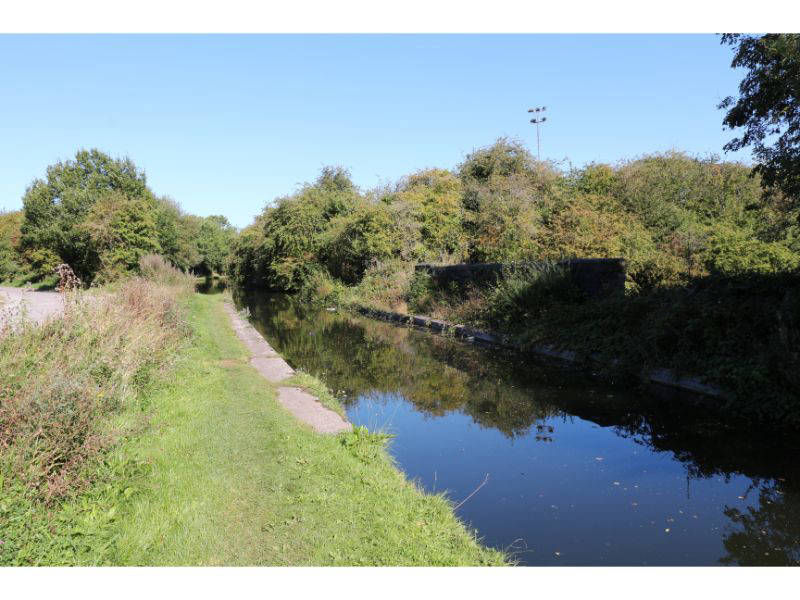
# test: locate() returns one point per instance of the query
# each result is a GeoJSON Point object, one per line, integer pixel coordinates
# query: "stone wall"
{"type": "Point", "coordinates": [597, 277]}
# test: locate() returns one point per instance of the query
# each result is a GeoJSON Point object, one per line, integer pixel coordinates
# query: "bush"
{"type": "Point", "coordinates": [527, 292]}
{"type": "Point", "coordinates": [292, 230]}
{"type": "Point", "coordinates": [384, 285]}
{"type": "Point", "coordinates": [734, 252]}
{"type": "Point", "coordinates": [9, 241]}
{"type": "Point", "coordinates": [671, 216]}
{"type": "Point", "coordinates": [432, 200]}
{"type": "Point", "coordinates": [357, 241]}
{"type": "Point", "coordinates": [320, 288]}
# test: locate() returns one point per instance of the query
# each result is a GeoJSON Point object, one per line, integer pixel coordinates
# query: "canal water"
{"type": "Point", "coordinates": [567, 471]}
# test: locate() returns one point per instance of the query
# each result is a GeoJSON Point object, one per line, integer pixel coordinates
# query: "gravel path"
{"type": "Point", "coordinates": [273, 368]}
{"type": "Point", "coordinates": [37, 306]}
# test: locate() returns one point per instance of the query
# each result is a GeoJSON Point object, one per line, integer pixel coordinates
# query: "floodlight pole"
{"type": "Point", "coordinates": [537, 121]}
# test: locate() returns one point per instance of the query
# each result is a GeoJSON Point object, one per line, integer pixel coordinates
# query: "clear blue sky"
{"type": "Point", "coordinates": [225, 124]}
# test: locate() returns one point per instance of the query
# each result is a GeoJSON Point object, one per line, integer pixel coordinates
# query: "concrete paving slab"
{"type": "Point", "coordinates": [308, 409]}
{"type": "Point", "coordinates": [273, 368]}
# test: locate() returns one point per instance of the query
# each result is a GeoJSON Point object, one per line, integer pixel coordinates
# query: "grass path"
{"type": "Point", "coordinates": [235, 480]}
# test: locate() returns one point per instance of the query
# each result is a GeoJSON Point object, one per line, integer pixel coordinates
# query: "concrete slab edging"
{"type": "Point", "coordinates": [271, 366]}
{"type": "Point", "coordinates": [660, 376]}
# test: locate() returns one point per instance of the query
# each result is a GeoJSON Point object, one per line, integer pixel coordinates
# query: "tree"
{"type": "Point", "coordinates": [505, 196]}
{"type": "Point", "coordinates": [293, 228]}
{"type": "Point", "coordinates": [9, 240]}
{"type": "Point", "coordinates": [214, 244]}
{"type": "Point", "coordinates": [359, 240]}
{"type": "Point", "coordinates": [433, 199]}
{"type": "Point", "coordinates": [56, 208]}
{"type": "Point", "coordinates": [121, 230]}
{"type": "Point", "coordinates": [768, 107]}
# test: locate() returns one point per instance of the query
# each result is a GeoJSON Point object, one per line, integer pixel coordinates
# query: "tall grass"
{"type": "Point", "coordinates": [155, 268]}
{"type": "Point", "coordinates": [60, 383]}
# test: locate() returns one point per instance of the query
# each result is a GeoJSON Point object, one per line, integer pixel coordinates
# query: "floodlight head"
{"type": "Point", "coordinates": [544, 119]}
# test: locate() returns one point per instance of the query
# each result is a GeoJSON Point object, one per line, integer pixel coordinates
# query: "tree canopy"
{"type": "Point", "coordinates": [97, 214]}
{"type": "Point", "coordinates": [768, 107]}
{"type": "Point", "coordinates": [671, 216]}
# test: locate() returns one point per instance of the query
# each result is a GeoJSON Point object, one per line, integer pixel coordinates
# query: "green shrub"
{"type": "Point", "coordinates": [9, 241]}
{"type": "Point", "coordinates": [384, 285]}
{"type": "Point", "coordinates": [672, 217]}
{"type": "Point", "coordinates": [359, 240]}
{"type": "Point", "coordinates": [433, 198]}
{"type": "Point", "coordinates": [292, 230]}
{"type": "Point", "coordinates": [320, 288]}
{"type": "Point", "coordinates": [528, 292]}
{"type": "Point", "coordinates": [733, 252]}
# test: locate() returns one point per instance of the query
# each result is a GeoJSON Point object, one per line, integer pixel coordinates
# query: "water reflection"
{"type": "Point", "coordinates": [580, 473]}
{"type": "Point", "coordinates": [211, 285]}
{"type": "Point", "coordinates": [767, 534]}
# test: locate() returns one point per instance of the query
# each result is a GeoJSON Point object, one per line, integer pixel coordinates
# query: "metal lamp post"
{"type": "Point", "coordinates": [537, 121]}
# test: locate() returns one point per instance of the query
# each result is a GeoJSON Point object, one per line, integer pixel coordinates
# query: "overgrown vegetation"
{"type": "Point", "coordinates": [70, 391]}
{"type": "Point", "coordinates": [97, 214]}
{"type": "Point", "coordinates": [741, 333]}
{"type": "Point", "coordinates": [671, 216]}
{"type": "Point", "coordinates": [682, 224]}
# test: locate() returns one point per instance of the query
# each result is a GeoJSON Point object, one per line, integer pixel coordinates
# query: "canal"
{"type": "Point", "coordinates": [556, 469]}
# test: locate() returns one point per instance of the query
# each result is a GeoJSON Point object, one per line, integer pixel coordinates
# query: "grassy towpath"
{"type": "Point", "coordinates": [236, 480]}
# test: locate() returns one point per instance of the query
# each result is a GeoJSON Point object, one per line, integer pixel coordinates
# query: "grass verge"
{"type": "Point", "coordinates": [236, 480]}
{"type": "Point", "coordinates": [43, 284]}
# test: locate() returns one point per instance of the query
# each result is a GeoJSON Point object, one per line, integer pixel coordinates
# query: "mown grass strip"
{"type": "Point", "coordinates": [235, 480]}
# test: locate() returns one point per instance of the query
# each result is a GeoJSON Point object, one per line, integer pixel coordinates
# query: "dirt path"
{"type": "Point", "coordinates": [36, 306]}
{"type": "Point", "coordinates": [272, 367]}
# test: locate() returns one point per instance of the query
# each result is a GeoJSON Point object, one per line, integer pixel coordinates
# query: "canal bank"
{"type": "Point", "coordinates": [202, 464]}
{"type": "Point", "coordinates": [578, 473]}
{"type": "Point", "coordinates": [235, 479]}
{"type": "Point", "coordinates": [664, 377]}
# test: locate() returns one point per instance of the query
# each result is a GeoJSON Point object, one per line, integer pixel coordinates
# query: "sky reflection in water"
{"type": "Point", "coordinates": [578, 473]}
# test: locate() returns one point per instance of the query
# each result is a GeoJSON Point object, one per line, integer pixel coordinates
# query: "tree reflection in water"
{"type": "Point", "coordinates": [521, 396]}
{"type": "Point", "coordinates": [768, 535]}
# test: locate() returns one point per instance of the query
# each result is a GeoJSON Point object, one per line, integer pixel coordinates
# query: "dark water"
{"type": "Point", "coordinates": [578, 473]}
{"type": "Point", "coordinates": [211, 285]}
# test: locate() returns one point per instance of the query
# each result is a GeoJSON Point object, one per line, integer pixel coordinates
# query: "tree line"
{"type": "Point", "coordinates": [98, 215]}
{"type": "Point", "coordinates": [671, 216]}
